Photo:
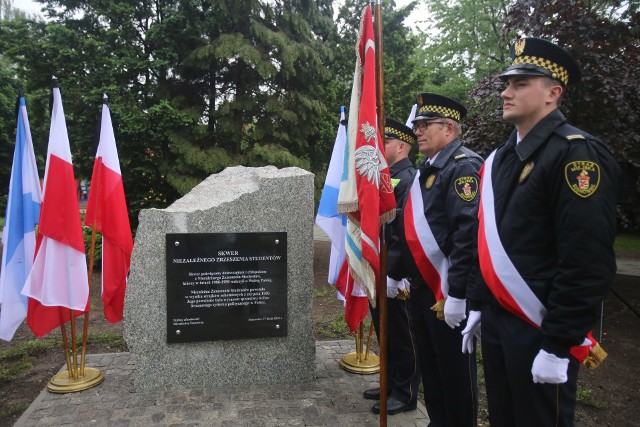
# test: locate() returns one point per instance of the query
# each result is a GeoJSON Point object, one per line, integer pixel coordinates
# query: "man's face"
{"type": "Point", "coordinates": [392, 149]}
{"type": "Point", "coordinates": [525, 99]}
{"type": "Point", "coordinates": [431, 136]}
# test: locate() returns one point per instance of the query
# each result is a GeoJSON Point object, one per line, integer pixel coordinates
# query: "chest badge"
{"type": "Point", "coordinates": [466, 187]}
{"type": "Point", "coordinates": [525, 172]}
{"type": "Point", "coordinates": [583, 177]}
{"type": "Point", "coordinates": [429, 183]}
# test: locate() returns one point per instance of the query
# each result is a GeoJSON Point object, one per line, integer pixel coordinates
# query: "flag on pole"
{"type": "Point", "coordinates": [412, 115]}
{"type": "Point", "coordinates": [58, 281]}
{"type": "Point", "coordinates": [19, 233]}
{"type": "Point", "coordinates": [107, 210]}
{"type": "Point", "coordinates": [366, 192]}
{"type": "Point", "coordinates": [333, 223]}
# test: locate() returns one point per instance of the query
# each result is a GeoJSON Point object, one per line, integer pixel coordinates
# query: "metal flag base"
{"type": "Point", "coordinates": [64, 383]}
{"type": "Point", "coordinates": [357, 364]}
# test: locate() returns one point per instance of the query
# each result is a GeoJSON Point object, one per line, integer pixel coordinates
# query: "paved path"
{"type": "Point", "coordinates": [334, 398]}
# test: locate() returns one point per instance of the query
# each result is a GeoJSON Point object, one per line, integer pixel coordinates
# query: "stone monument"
{"type": "Point", "coordinates": [196, 252]}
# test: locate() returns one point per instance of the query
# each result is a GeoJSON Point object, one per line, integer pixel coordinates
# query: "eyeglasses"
{"type": "Point", "coordinates": [424, 125]}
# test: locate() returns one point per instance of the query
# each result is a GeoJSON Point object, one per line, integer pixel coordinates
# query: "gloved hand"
{"type": "Point", "coordinates": [454, 311]}
{"type": "Point", "coordinates": [549, 368]}
{"type": "Point", "coordinates": [392, 287]}
{"type": "Point", "coordinates": [471, 330]}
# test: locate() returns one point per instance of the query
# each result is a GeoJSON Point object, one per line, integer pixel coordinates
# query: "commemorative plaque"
{"type": "Point", "coordinates": [223, 286]}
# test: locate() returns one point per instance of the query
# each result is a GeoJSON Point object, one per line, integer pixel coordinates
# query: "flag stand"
{"type": "Point", "coordinates": [361, 362]}
{"type": "Point", "coordinates": [77, 378]}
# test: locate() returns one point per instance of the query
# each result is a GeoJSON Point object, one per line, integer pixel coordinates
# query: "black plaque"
{"type": "Point", "coordinates": [223, 286]}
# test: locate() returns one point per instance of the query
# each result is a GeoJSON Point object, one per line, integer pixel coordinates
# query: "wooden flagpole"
{"type": "Point", "coordinates": [382, 277]}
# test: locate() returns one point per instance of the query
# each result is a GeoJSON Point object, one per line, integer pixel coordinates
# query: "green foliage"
{"type": "Point", "coordinates": [13, 410]}
{"type": "Point", "coordinates": [628, 244]}
{"type": "Point", "coordinates": [20, 358]}
{"type": "Point", "coordinates": [97, 251]}
{"type": "Point", "coordinates": [586, 397]}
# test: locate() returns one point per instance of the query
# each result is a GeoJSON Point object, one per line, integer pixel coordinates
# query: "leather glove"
{"type": "Point", "coordinates": [549, 368]}
{"type": "Point", "coordinates": [392, 287]}
{"type": "Point", "coordinates": [454, 311]}
{"type": "Point", "coordinates": [471, 330]}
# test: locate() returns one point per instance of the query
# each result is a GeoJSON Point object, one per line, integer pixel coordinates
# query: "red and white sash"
{"type": "Point", "coordinates": [502, 277]}
{"type": "Point", "coordinates": [431, 262]}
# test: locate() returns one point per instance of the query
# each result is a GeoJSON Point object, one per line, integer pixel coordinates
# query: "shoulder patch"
{"type": "Point", "coordinates": [583, 177]}
{"type": "Point", "coordinates": [459, 156]}
{"type": "Point", "coordinates": [576, 136]}
{"type": "Point", "coordinates": [466, 187]}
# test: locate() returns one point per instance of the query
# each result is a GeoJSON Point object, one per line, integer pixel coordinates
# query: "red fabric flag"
{"type": "Point", "coordinates": [58, 281]}
{"type": "Point", "coordinates": [366, 192]}
{"type": "Point", "coordinates": [107, 209]}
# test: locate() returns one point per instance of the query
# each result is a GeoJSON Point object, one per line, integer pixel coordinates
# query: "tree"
{"type": "Point", "coordinates": [464, 43]}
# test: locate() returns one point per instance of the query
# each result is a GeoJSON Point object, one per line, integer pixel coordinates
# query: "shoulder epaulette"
{"type": "Point", "coordinates": [571, 133]}
{"type": "Point", "coordinates": [576, 136]}
{"type": "Point", "coordinates": [459, 156]}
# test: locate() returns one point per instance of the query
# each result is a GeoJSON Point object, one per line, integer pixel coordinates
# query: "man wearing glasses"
{"type": "Point", "coordinates": [439, 230]}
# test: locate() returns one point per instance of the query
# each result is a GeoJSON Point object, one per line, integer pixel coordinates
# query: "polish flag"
{"type": "Point", "coordinates": [107, 210]}
{"type": "Point", "coordinates": [58, 281]}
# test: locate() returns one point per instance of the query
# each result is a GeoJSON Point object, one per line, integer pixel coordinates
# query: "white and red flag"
{"type": "Point", "coordinates": [366, 192]}
{"type": "Point", "coordinates": [58, 281]}
{"type": "Point", "coordinates": [107, 210]}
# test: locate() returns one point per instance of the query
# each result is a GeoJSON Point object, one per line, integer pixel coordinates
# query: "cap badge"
{"type": "Point", "coordinates": [518, 46]}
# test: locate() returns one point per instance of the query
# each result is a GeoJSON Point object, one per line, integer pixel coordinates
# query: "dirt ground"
{"type": "Point", "coordinates": [608, 395]}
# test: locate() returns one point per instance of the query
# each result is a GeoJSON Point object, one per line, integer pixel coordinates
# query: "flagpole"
{"type": "Point", "coordinates": [86, 314]}
{"type": "Point", "coordinates": [382, 285]}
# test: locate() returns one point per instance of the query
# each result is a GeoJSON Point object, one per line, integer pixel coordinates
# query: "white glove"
{"type": "Point", "coordinates": [549, 368]}
{"type": "Point", "coordinates": [471, 330]}
{"type": "Point", "coordinates": [454, 311]}
{"type": "Point", "coordinates": [392, 287]}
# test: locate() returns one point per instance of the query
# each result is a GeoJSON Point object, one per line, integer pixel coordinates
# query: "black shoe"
{"type": "Point", "coordinates": [394, 406]}
{"type": "Point", "coordinates": [372, 394]}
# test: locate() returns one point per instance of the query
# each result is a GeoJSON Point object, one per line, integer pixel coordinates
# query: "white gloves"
{"type": "Point", "coordinates": [549, 368]}
{"type": "Point", "coordinates": [392, 287]}
{"type": "Point", "coordinates": [395, 286]}
{"type": "Point", "coordinates": [471, 330]}
{"type": "Point", "coordinates": [454, 311]}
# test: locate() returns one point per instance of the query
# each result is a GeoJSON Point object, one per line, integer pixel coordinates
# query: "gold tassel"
{"type": "Point", "coordinates": [403, 294]}
{"type": "Point", "coordinates": [596, 357]}
{"type": "Point", "coordinates": [438, 307]}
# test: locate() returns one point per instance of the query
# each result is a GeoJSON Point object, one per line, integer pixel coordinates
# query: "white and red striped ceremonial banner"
{"type": "Point", "coordinates": [58, 281]}
{"type": "Point", "coordinates": [107, 210]}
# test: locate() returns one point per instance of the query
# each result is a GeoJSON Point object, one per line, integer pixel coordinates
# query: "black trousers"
{"type": "Point", "coordinates": [509, 346]}
{"type": "Point", "coordinates": [403, 372]}
{"type": "Point", "coordinates": [449, 377]}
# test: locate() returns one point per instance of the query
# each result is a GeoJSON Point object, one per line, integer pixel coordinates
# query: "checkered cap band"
{"type": "Point", "coordinates": [557, 72]}
{"type": "Point", "coordinates": [403, 136]}
{"type": "Point", "coordinates": [447, 112]}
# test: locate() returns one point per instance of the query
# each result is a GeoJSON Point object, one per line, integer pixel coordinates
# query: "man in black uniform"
{"type": "Point", "coordinates": [547, 227]}
{"type": "Point", "coordinates": [403, 375]}
{"type": "Point", "coordinates": [438, 230]}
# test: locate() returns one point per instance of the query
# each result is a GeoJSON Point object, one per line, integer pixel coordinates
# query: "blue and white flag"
{"type": "Point", "coordinates": [328, 218]}
{"type": "Point", "coordinates": [18, 235]}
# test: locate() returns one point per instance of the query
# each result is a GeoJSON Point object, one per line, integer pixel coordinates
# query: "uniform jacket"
{"type": "Point", "coordinates": [402, 174]}
{"type": "Point", "coordinates": [451, 208]}
{"type": "Point", "coordinates": [555, 197]}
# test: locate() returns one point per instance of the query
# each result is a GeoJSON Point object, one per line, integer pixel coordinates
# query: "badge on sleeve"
{"type": "Point", "coordinates": [466, 187]}
{"type": "Point", "coordinates": [583, 177]}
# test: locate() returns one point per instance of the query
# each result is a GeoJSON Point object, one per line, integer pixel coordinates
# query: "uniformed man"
{"type": "Point", "coordinates": [547, 227]}
{"type": "Point", "coordinates": [439, 226]}
{"type": "Point", "coordinates": [403, 375]}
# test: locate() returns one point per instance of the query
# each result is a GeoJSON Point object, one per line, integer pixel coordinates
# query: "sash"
{"type": "Point", "coordinates": [504, 280]}
{"type": "Point", "coordinates": [431, 262]}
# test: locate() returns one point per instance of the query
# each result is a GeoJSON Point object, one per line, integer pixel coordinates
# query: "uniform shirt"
{"type": "Point", "coordinates": [450, 199]}
{"type": "Point", "coordinates": [555, 196]}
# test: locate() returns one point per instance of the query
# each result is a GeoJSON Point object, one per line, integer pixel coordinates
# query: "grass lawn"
{"type": "Point", "coordinates": [627, 244]}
